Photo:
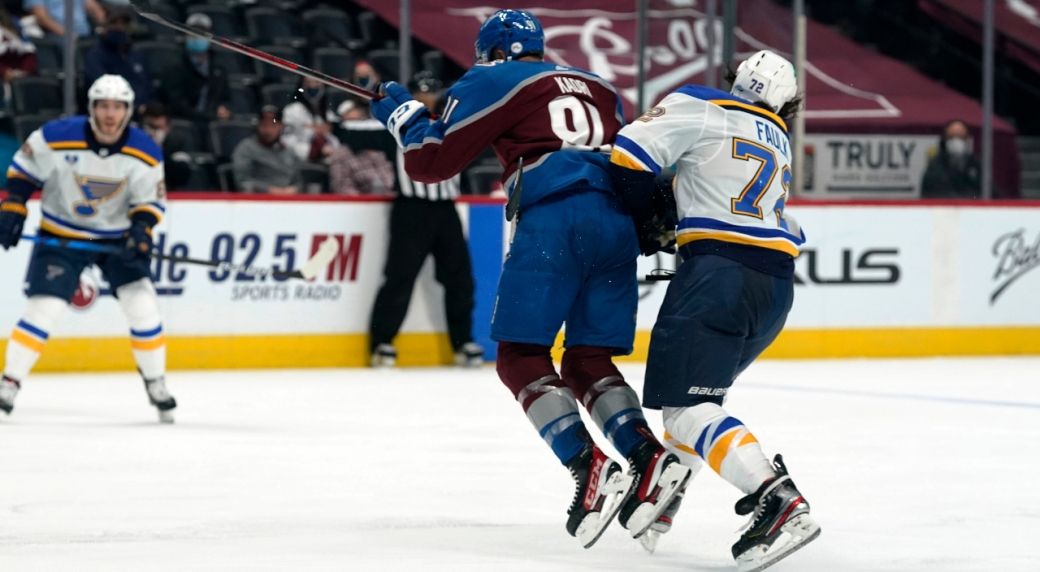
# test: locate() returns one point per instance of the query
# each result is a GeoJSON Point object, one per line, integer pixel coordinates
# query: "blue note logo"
{"type": "Point", "coordinates": [54, 271]}
{"type": "Point", "coordinates": [96, 190]}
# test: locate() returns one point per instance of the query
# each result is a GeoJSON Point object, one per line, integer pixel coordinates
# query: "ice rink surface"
{"type": "Point", "coordinates": [909, 465]}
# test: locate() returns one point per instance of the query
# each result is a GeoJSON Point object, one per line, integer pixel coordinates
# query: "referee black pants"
{"type": "Point", "coordinates": [419, 228]}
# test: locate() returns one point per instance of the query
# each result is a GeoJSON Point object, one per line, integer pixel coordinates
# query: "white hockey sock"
{"type": "Point", "coordinates": [708, 432]}
{"type": "Point", "coordinates": [42, 314]}
{"type": "Point", "coordinates": [140, 304]}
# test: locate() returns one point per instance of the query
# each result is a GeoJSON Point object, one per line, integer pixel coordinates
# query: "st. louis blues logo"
{"type": "Point", "coordinates": [96, 190]}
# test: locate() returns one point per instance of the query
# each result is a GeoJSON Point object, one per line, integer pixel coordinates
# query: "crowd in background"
{"type": "Point", "coordinates": [227, 122]}
{"type": "Point", "coordinates": [224, 121]}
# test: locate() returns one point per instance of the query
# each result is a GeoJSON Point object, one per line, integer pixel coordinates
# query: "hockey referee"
{"type": "Point", "coordinates": [423, 221]}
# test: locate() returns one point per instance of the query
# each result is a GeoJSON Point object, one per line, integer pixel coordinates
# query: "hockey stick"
{"type": "Point", "coordinates": [513, 204]}
{"type": "Point", "coordinates": [255, 54]}
{"type": "Point", "coordinates": [310, 269]}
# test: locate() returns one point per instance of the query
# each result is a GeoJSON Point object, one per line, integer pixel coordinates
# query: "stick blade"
{"type": "Point", "coordinates": [321, 259]}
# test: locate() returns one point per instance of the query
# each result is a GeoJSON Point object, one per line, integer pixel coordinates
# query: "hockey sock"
{"type": "Point", "coordinates": [140, 304]}
{"type": "Point", "coordinates": [527, 370]}
{"type": "Point", "coordinates": [612, 403]}
{"type": "Point", "coordinates": [708, 432]}
{"type": "Point", "coordinates": [42, 314]}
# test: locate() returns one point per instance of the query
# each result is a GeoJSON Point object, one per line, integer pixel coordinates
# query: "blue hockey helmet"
{"type": "Point", "coordinates": [515, 32]}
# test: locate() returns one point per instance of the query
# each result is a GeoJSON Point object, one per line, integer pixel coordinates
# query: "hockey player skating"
{"type": "Point", "coordinates": [731, 295]}
{"type": "Point", "coordinates": [573, 259]}
{"type": "Point", "coordinates": [102, 181]}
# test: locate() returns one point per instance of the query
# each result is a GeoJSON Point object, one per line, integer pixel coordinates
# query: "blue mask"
{"type": "Point", "coordinates": [313, 92]}
{"type": "Point", "coordinates": [197, 45]}
{"type": "Point", "coordinates": [115, 38]}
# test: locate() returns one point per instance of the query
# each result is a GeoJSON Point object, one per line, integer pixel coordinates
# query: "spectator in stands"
{"type": "Point", "coordinates": [308, 123]}
{"type": "Point", "coordinates": [114, 54]}
{"type": "Point", "coordinates": [366, 75]}
{"type": "Point", "coordinates": [423, 221]}
{"type": "Point", "coordinates": [17, 53]}
{"type": "Point", "coordinates": [956, 171]}
{"type": "Point", "coordinates": [196, 89]}
{"type": "Point", "coordinates": [155, 120]}
{"type": "Point", "coordinates": [262, 163]}
{"type": "Point", "coordinates": [50, 15]}
{"type": "Point", "coordinates": [364, 171]}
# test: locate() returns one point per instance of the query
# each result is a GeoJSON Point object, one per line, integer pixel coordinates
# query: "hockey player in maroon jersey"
{"type": "Point", "coordinates": [572, 259]}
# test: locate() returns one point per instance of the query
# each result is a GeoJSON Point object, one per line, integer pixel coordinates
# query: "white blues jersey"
{"type": "Point", "coordinates": [733, 163]}
{"type": "Point", "coordinates": [89, 190]}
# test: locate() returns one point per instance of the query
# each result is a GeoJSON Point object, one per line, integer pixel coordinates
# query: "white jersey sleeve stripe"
{"type": "Point", "coordinates": [633, 151]}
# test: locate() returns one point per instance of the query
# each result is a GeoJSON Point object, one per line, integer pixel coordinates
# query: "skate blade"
{"type": "Point", "coordinates": [672, 481]}
{"type": "Point", "coordinates": [614, 492]}
{"type": "Point", "coordinates": [166, 416]}
{"type": "Point", "coordinates": [649, 540]}
{"type": "Point", "coordinates": [799, 531]}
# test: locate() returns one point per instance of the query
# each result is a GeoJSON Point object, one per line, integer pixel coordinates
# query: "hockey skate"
{"type": "Point", "coordinates": [602, 488]}
{"type": "Point", "coordinates": [8, 390]}
{"type": "Point", "coordinates": [660, 477]}
{"type": "Point", "coordinates": [662, 525]}
{"type": "Point", "coordinates": [160, 398]}
{"type": "Point", "coordinates": [471, 354]}
{"type": "Point", "coordinates": [780, 524]}
{"type": "Point", "coordinates": [384, 356]}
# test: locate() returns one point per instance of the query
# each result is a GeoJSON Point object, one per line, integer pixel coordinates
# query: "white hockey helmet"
{"type": "Point", "coordinates": [767, 78]}
{"type": "Point", "coordinates": [110, 86]}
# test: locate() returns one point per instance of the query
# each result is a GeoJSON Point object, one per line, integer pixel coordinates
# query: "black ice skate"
{"type": "Point", "coordinates": [660, 477]}
{"type": "Point", "coordinates": [662, 525]}
{"type": "Point", "coordinates": [8, 390]}
{"type": "Point", "coordinates": [384, 356]}
{"type": "Point", "coordinates": [780, 524]}
{"type": "Point", "coordinates": [602, 488]}
{"type": "Point", "coordinates": [471, 354]}
{"type": "Point", "coordinates": [160, 398]}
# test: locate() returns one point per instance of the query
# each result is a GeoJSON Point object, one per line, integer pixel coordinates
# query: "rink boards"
{"type": "Point", "coordinates": [873, 280]}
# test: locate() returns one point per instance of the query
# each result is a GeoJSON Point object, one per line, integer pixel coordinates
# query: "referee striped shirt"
{"type": "Point", "coordinates": [443, 191]}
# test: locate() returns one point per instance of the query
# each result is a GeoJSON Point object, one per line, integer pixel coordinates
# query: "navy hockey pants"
{"type": "Point", "coordinates": [717, 317]}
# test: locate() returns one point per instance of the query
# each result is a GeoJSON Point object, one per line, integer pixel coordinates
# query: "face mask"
{"type": "Point", "coordinates": [957, 146]}
{"type": "Point", "coordinates": [197, 45]}
{"type": "Point", "coordinates": [116, 37]}
{"type": "Point", "coordinates": [313, 92]}
{"type": "Point", "coordinates": [367, 82]}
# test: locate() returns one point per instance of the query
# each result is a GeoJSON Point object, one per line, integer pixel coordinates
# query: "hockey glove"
{"type": "Point", "coordinates": [398, 110]}
{"type": "Point", "coordinates": [658, 234]}
{"type": "Point", "coordinates": [12, 218]}
{"type": "Point", "coordinates": [138, 242]}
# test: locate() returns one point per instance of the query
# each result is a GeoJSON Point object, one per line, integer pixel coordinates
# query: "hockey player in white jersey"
{"type": "Point", "coordinates": [102, 181]}
{"type": "Point", "coordinates": [731, 294]}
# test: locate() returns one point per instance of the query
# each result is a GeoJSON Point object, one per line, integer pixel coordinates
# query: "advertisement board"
{"type": "Point", "coordinates": [867, 166]}
{"type": "Point", "coordinates": [873, 279]}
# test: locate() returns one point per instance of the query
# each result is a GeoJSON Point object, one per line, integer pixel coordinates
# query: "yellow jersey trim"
{"type": "Point", "coordinates": [619, 157]}
{"type": "Point", "coordinates": [750, 108]}
{"type": "Point", "coordinates": [778, 244]}
{"type": "Point", "coordinates": [140, 155]}
{"type": "Point", "coordinates": [148, 208]}
{"type": "Point", "coordinates": [68, 145]}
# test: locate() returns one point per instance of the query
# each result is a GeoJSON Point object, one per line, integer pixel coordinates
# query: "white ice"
{"type": "Point", "coordinates": [910, 465]}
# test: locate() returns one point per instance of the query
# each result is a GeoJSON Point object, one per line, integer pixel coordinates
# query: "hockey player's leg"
{"type": "Point", "coordinates": [42, 314]}
{"type": "Point", "coordinates": [614, 406]}
{"type": "Point", "coordinates": [601, 486]}
{"type": "Point", "coordinates": [780, 521]}
{"type": "Point", "coordinates": [140, 304]}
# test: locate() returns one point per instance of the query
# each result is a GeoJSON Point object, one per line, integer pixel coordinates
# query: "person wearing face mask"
{"type": "Point", "coordinates": [308, 123]}
{"type": "Point", "coordinates": [955, 173]}
{"type": "Point", "coordinates": [155, 121]}
{"type": "Point", "coordinates": [114, 55]}
{"type": "Point", "coordinates": [366, 75]}
{"type": "Point", "coordinates": [196, 88]}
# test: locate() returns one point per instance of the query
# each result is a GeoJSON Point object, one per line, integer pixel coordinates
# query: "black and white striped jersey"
{"type": "Point", "coordinates": [444, 191]}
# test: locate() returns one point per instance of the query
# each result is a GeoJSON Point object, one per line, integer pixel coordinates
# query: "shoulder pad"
{"type": "Point", "coordinates": [142, 146]}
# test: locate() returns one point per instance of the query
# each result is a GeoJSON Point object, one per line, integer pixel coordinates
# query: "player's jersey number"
{"type": "Point", "coordinates": [747, 203]}
{"type": "Point", "coordinates": [577, 123]}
